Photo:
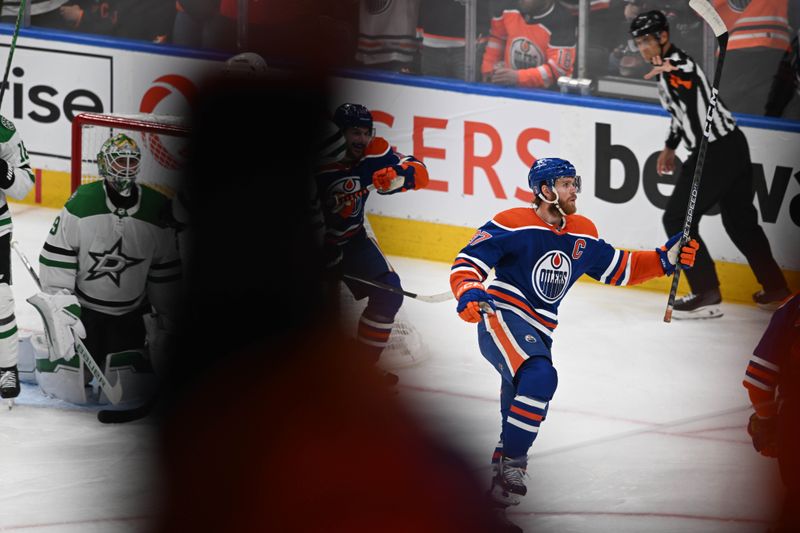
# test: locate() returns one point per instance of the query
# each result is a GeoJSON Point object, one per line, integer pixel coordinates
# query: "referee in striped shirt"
{"type": "Point", "coordinates": [685, 93]}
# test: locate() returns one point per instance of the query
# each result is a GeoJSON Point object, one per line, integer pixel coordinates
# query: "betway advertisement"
{"type": "Point", "coordinates": [478, 149]}
{"type": "Point", "coordinates": [52, 81]}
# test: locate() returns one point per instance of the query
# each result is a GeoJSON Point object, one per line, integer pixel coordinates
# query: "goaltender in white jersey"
{"type": "Point", "coordinates": [112, 251]}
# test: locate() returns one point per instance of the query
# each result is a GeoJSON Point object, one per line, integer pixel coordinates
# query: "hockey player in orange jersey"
{"type": "Point", "coordinates": [537, 254]}
{"type": "Point", "coordinates": [531, 46]}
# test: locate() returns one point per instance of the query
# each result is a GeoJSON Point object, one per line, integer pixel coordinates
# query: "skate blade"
{"type": "Point", "coordinates": [772, 306]}
{"type": "Point", "coordinates": [10, 403]}
{"type": "Point", "coordinates": [698, 314]}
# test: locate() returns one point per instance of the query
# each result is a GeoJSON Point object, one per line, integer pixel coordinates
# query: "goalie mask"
{"type": "Point", "coordinates": [118, 162]}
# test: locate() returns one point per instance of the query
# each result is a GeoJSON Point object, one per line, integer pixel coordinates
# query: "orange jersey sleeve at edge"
{"type": "Point", "coordinates": [644, 266]}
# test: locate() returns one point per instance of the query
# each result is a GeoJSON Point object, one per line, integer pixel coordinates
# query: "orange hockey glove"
{"type": "Point", "coordinates": [473, 301]}
{"type": "Point", "coordinates": [764, 432]}
{"type": "Point", "coordinates": [387, 180]}
{"type": "Point", "coordinates": [668, 254]}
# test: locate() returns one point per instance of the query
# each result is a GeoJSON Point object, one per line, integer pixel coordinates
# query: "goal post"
{"type": "Point", "coordinates": [162, 139]}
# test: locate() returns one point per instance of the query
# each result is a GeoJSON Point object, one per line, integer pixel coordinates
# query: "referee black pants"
{"type": "Point", "coordinates": [727, 180]}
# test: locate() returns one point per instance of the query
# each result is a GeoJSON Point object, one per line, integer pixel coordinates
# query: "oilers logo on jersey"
{"type": "Point", "coordinates": [523, 54]}
{"type": "Point", "coordinates": [551, 276]}
{"type": "Point", "coordinates": [343, 187]}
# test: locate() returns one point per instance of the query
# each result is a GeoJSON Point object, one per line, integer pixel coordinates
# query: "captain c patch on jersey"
{"type": "Point", "coordinates": [551, 275]}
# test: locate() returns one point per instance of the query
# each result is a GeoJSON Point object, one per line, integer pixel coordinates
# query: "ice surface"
{"type": "Point", "coordinates": [646, 431]}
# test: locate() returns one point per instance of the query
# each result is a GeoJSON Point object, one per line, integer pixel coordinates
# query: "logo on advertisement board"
{"type": "Point", "coordinates": [170, 94]}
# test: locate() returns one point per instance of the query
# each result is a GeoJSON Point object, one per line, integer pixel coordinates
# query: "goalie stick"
{"type": "Point", "coordinates": [712, 18]}
{"type": "Point", "coordinates": [114, 394]}
{"type": "Point", "coordinates": [432, 298]}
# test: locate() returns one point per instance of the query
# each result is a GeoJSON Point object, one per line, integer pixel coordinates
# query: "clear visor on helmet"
{"type": "Point", "coordinates": [568, 182]}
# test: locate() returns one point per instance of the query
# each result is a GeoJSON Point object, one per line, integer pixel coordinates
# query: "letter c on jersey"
{"type": "Point", "coordinates": [577, 250]}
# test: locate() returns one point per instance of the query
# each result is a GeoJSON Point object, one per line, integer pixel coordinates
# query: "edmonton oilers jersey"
{"type": "Point", "coordinates": [345, 219]}
{"type": "Point", "coordinates": [536, 264]}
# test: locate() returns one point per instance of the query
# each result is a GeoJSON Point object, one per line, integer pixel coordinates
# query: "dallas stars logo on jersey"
{"type": "Point", "coordinates": [111, 263]}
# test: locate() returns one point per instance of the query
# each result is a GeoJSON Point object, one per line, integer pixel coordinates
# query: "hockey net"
{"type": "Point", "coordinates": [405, 346]}
{"type": "Point", "coordinates": [162, 139]}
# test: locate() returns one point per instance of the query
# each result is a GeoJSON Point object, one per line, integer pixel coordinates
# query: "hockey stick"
{"type": "Point", "coordinates": [114, 394]}
{"type": "Point", "coordinates": [712, 18]}
{"type": "Point", "coordinates": [119, 416]}
{"type": "Point", "coordinates": [432, 299]}
{"type": "Point", "coordinates": [11, 50]}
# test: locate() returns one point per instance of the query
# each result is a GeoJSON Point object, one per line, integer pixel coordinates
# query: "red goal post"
{"type": "Point", "coordinates": [162, 139]}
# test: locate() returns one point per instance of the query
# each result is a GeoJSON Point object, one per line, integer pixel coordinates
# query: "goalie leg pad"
{"type": "Point", "coordinates": [62, 379]}
{"type": "Point", "coordinates": [134, 370]}
{"type": "Point", "coordinates": [8, 328]}
{"type": "Point", "coordinates": [26, 363]}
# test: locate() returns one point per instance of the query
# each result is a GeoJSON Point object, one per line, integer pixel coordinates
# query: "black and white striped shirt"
{"type": "Point", "coordinates": [685, 94]}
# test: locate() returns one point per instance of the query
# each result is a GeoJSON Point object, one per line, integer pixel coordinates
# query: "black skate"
{"type": "Point", "coordinates": [508, 485]}
{"type": "Point", "coordinates": [771, 300]}
{"type": "Point", "coordinates": [694, 306]}
{"type": "Point", "coordinates": [9, 384]}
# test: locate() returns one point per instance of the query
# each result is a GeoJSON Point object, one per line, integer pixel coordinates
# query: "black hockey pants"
{"type": "Point", "coordinates": [727, 180]}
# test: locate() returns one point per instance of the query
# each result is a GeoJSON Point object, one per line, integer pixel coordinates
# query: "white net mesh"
{"type": "Point", "coordinates": [405, 345]}
{"type": "Point", "coordinates": [163, 154]}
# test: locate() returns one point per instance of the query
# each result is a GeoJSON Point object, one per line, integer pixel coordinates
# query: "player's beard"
{"type": "Point", "coordinates": [356, 150]}
{"type": "Point", "coordinates": [569, 206]}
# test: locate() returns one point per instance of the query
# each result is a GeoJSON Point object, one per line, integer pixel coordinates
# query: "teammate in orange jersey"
{"type": "Point", "coordinates": [537, 254]}
{"type": "Point", "coordinates": [531, 46]}
{"type": "Point", "coordinates": [772, 380]}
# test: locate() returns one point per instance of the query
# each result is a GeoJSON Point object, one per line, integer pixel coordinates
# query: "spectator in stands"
{"type": "Point", "coordinates": [297, 32]}
{"type": "Point", "coordinates": [149, 20]}
{"type": "Point", "coordinates": [625, 59]}
{"type": "Point", "coordinates": [760, 35]}
{"type": "Point", "coordinates": [388, 35]}
{"type": "Point", "coordinates": [603, 30]}
{"type": "Point", "coordinates": [194, 22]}
{"type": "Point", "coordinates": [44, 13]}
{"type": "Point", "coordinates": [443, 36]}
{"type": "Point", "coordinates": [531, 46]}
{"type": "Point", "coordinates": [784, 95]}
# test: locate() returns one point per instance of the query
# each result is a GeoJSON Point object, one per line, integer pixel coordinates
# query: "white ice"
{"type": "Point", "coordinates": [646, 431]}
{"type": "Point", "coordinates": [60, 469]}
